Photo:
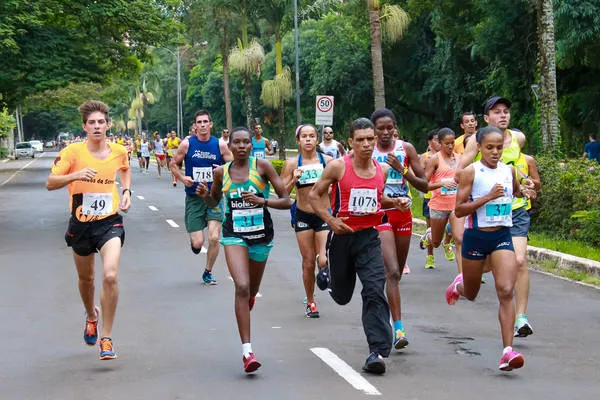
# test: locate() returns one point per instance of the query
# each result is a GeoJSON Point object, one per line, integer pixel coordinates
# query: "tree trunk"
{"type": "Point", "coordinates": [249, 111]}
{"type": "Point", "coordinates": [549, 123]}
{"type": "Point", "coordinates": [376, 59]}
{"type": "Point", "coordinates": [281, 138]}
{"type": "Point", "coordinates": [227, 94]}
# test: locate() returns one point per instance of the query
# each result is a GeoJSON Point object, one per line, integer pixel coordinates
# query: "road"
{"type": "Point", "coordinates": [177, 339]}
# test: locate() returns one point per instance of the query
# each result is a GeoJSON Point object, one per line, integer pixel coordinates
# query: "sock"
{"type": "Point", "coordinates": [507, 349]}
{"type": "Point", "coordinates": [246, 348]}
{"type": "Point", "coordinates": [398, 325]}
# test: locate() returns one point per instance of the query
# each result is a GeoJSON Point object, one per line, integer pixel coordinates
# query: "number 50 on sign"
{"type": "Point", "coordinates": [324, 110]}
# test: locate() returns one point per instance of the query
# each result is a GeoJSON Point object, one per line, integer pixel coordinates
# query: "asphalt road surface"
{"type": "Point", "coordinates": [177, 339]}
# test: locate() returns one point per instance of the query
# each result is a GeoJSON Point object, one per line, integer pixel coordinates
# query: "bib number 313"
{"type": "Point", "coordinates": [362, 201]}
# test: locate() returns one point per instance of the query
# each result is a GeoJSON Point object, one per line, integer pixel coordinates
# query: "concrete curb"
{"type": "Point", "coordinates": [536, 255]}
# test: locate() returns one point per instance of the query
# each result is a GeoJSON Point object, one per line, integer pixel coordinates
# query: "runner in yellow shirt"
{"type": "Point", "coordinates": [172, 144]}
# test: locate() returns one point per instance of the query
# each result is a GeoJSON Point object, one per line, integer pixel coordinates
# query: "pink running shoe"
{"type": "Point", "coordinates": [452, 294]}
{"type": "Point", "coordinates": [511, 360]}
{"type": "Point", "coordinates": [406, 269]}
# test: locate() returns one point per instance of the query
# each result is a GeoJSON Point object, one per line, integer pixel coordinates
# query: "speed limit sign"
{"type": "Point", "coordinates": [324, 110]}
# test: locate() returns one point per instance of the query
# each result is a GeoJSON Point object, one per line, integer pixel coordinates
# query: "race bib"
{"type": "Point", "coordinates": [394, 177]}
{"type": "Point", "coordinates": [448, 192]}
{"type": "Point", "coordinates": [202, 174]}
{"type": "Point", "coordinates": [498, 210]}
{"type": "Point", "coordinates": [97, 204]}
{"type": "Point", "coordinates": [362, 201]}
{"type": "Point", "coordinates": [259, 154]}
{"type": "Point", "coordinates": [250, 220]}
{"type": "Point", "coordinates": [310, 174]}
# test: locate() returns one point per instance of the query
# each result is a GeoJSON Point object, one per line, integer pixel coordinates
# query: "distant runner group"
{"type": "Point", "coordinates": [351, 214]}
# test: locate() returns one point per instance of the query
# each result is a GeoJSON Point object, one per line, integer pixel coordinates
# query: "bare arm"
{"type": "Point", "coordinates": [400, 203]}
{"type": "Point", "coordinates": [290, 174]}
{"type": "Point", "coordinates": [468, 156]}
{"type": "Point", "coordinates": [125, 179]}
{"type": "Point", "coordinates": [341, 149]}
{"type": "Point", "coordinates": [227, 156]}
{"type": "Point", "coordinates": [465, 207]}
{"type": "Point", "coordinates": [269, 147]}
{"type": "Point", "coordinates": [533, 172]}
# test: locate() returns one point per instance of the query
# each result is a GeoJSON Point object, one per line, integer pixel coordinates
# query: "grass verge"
{"type": "Point", "coordinates": [551, 266]}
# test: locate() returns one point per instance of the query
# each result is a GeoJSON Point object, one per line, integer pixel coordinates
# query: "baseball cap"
{"type": "Point", "coordinates": [492, 101]}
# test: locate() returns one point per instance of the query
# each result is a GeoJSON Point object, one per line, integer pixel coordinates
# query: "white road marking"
{"type": "Point", "coordinates": [16, 172]}
{"type": "Point", "coordinates": [141, 197]}
{"type": "Point", "coordinates": [5, 161]}
{"type": "Point", "coordinates": [172, 223]}
{"type": "Point", "coordinates": [345, 371]}
{"type": "Point", "coordinates": [275, 327]}
{"type": "Point", "coordinates": [153, 208]}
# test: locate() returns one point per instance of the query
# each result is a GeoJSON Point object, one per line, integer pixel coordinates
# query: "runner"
{"type": "Point", "coordinates": [311, 231]}
{"type": "Point", "coordinates": [330, 146]}
{"type": "Point", "coordinates": [159, 153]}
{"type": "Point", "coordinates": [248, 228]}
{"type": "Point", "coordinates": [353, 246]}
{"type": "Point", "coordinates": [395, 233]}
{"type": "Point", "coordinates": [173, 143]}
{"type": "Point", "coordinates": [138, 152]}
{"type": "Point", "coordinates": [260, 144]}
{"type": "Point", "coordinates": [497, 113]}
{"type": "Point", "coordinates": [468, 123]}
{"type": "Point", "coordinates": [202, 153]}
{"type": "Point", "coordinates": [89, 170]}
{"type": "Point", "coordinates": [225, 136]}
{"type": "Point", "coordinates": [440, 173]}
{"type": "Point", "coordinates": [484, 196]}
{"type": "Point", "coordinates": [145, 150]}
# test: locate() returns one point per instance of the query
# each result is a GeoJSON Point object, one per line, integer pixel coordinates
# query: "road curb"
{"type": "Point", "coordinates": [536, 255]}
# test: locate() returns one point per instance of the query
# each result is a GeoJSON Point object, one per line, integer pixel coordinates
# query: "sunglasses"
{"type": "Point", "coordinates": [204, 121]}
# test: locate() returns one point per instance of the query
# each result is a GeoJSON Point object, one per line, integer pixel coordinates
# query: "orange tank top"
{"type": "Point", "coordinates": [444, 199]}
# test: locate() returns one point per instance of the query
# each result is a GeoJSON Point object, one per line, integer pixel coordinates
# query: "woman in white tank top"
{"type": "Point", "coordinates": [484, 197]}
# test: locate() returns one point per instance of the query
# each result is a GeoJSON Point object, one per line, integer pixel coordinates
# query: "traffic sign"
{"type": "Point", "coordinates": [324, 110]}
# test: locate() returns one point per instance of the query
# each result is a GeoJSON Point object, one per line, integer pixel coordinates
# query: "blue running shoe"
{"type": "Point", "coordinates": [374, 364]}
{"type": "Point", "coordinates": [107, 352]}
{"type": "Point", "coordinates": [208, 278]}
{"type": "Point", "coordinates": [90, 333]}
{"type": "Point", "coordinates": [400, 340]}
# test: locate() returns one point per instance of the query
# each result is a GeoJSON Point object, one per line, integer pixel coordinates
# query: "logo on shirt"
{"type": "Point", "coordinates": [204, 155]}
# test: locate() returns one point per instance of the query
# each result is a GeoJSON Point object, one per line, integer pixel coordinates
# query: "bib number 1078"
{"type": "Point", "coordinates": [362, 201]}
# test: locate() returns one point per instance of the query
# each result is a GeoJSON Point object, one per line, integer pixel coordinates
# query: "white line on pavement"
{"type": "Point", "coordinates": [153, 208]}
{"type": "Point", "coordinates": [4, 161]}
{"type": "Point", "coordinates": [172, 223]}
{"type": "Point", "coordinates": [16, 172]}
{"type": "Point", "coordinates": [275, 327]}
{"type": "Point", "coordinates": [345, 371]}
{"type": "Point", "coordinates": [141, 197]}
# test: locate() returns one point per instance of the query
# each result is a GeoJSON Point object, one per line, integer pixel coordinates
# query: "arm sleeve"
{"type": "Point", "coordinates": [62, 163]}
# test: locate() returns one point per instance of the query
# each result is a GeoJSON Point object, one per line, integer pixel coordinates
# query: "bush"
{"type": "Point", "coordinates": [568, 206]}
{"type": "Point", "coordinates": [3, 152]}
{"type": "Point", "coordinates": [278, 164]}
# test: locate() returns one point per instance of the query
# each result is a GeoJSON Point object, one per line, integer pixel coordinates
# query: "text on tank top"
{"type": "Point", "coordinates": [258, 148]}
{"type": "Point", "coordinates": [395, 185]}
{"type": "Point", "coordinates": [331, 150]}
{"type": "Point", "coordinates": [497, 212]}
{"type": "Point", "coordinates": [200, 161]}
{"type": "Point", "coordinates": [358, 198]}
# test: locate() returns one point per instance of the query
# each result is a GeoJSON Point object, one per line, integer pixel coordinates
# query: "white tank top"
{"type": "Point", "coordinates": [395, 185]}
{"type": "Point", "coordinates": [144, 149]}
{"type": "Point", "coordinates": [497, 212]}
{"type": "Point", "coordinates": [331, 150]}
{"type": "Point", "coordinates": [159, 148]}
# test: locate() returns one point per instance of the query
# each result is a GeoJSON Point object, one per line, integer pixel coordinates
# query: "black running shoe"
{"type": "Point", "coordinates": [311, 310]}
{"type": "Point", "coordinates": [323, 278]}
{"type": "Point", "coordinates": [374, 364]}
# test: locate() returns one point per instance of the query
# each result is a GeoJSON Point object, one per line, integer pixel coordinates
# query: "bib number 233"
{"type": "Point", "coordinates": [362, 201]}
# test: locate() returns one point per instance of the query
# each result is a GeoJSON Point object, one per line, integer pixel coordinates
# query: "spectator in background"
{"type": "Point", "coordinates": [591, 151]}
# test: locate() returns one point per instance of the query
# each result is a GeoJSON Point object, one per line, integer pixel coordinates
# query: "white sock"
{"type": "Point", "coordinates": [507, 349]}
{"type": "Point", "coordinates": [246, 349]}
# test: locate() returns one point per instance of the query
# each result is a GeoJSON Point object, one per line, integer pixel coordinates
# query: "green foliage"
{"type": "Point", "coordinates": [278, 164]}
{"type": "Point", "coordinates": [3, 152]}
{"type": "Point", "coordinates": [568, 206]}
{"type": "Point", "coordinates": [7, 122]}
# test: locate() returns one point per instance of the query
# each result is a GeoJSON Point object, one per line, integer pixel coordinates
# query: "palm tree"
{"type": "Point", "coordinates": [394, 21]}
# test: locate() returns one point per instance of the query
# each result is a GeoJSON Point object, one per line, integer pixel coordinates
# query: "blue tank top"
{"type": "Point", "coordinates": [200, 160]}
{"type": "Point", "coordinates": [258, 148]}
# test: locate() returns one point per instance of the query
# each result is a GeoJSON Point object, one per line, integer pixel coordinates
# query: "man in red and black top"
{"type": "Point", "coordinates": [353, 246]}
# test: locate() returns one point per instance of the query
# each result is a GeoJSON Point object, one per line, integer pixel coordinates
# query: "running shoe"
{"type": "Point", "coordinates": [374, 364]}
{"type": "Point", "coordinates": [450, 256]}
{"type": "Point", "coordinates": [406, 269]}
{"type": "Point", "coordinates": [425, 239]}
{"type": "Point", "coordinates": [251, 302]}
{"type": "Point", "coordinates": [452, 294]}
{"type": "Point", "coordinates": [522, 326]}
{"type": "Point", "coordinates": [430, 262]}
{"type": "Point", "coordinates": [323, 278]}
{"type": "Point", "coordinates": [511, 360]}
{"type": "Point", "coordinates": [400, 340]}
{"type": "Point", "coordinates": [251, 364]}
{"type": "Point", "coordinates": [208, 278]}
{"type": "Point", "coordinates": [311, 311]}
{"type": "Point", "coordinates": [174, 184]}
{"type": "Point", "coordinates": [107, 352]}
{"type": "Point", "coordinates": [90, 332]}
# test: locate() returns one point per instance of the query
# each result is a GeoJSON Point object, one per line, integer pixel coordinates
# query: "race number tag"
{"type": "Point", "coordinates": [259, 154]}
{"type": "Point", "coordinates": [202, 174]}
{"type": "Point", "coordinates": [448, 192]}
{"type": "Point", "coordinates": [362, 201]}
{"type": "Point", "coordinates": [310, 173]}
{"type": "Point", "coordinates": [498, 210]}
{"type": "Point", "coordinates": [250, 220]}
{"type": "Point", "coordinates": [97, 204]}
{"type": "Point", "coordinates": [394, 177]}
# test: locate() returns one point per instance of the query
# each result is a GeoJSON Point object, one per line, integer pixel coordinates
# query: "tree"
{"type": "Point", "coordinates": [395, 21]}
{"type": "Point", "coordinates": [549, 125]}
